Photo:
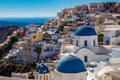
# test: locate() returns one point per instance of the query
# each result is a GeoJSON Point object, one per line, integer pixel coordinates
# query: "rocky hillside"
{"type": "Point", "coordinates": [6, 31]}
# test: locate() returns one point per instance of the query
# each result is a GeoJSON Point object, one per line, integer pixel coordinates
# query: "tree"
{"type": "Point", "coordinates": [100, 39]}
{"type": "Point", "coordinates": [38, 50]}
{"type": "Point", "coordinates": [13, 39]}
{"type": "Point", "coordinates": [61, 26]}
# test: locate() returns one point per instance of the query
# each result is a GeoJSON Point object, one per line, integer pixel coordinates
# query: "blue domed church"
{"type": "Point", "coordinates": [85, 36]}
{"type": "Point", "coordinates": [85, 46]}
{"type": "Point", "coordinates": [42, 72]}
{"type": "Point", "coordinates": [70, 67]}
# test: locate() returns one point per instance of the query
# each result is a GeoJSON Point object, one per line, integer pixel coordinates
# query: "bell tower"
{"type": "Point", "coordinates": [42, 72]}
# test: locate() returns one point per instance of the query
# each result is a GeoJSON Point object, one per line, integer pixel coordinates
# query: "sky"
{"type": "Point", "coordinates": [38, 8]}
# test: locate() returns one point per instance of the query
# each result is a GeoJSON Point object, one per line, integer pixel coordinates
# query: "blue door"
{"type": "Point", "coordinates": [76, 42]}
{"type": "Point", "coordinates": [85, 43]}
{"type": "Point", "coordinates": [85, 59]}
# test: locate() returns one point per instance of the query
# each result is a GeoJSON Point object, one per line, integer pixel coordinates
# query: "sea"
{"type": "Point", "coordinates": [23, 21]}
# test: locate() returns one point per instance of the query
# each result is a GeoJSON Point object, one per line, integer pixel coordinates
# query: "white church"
{"type": "Point", "coordinates": [85, 46]}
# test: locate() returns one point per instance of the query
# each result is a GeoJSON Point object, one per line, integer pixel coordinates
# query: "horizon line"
{"type": "Point", "coordinates": [25, 16]}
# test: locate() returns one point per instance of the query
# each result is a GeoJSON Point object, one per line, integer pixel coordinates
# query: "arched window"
{"type": "Point", "coordinates": [85, 59]}
{"type": "Point", "coordinates": [85, 43]}
{"type": "Point", "coordinates": [76, 42]}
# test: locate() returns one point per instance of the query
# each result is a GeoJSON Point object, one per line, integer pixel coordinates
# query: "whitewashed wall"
{"type": "Point", "coordinates": [70, 76]}
{"type": "Point", "coordinates": [91, 56]}
{"type": "Point", "coordinates": [89, 39]}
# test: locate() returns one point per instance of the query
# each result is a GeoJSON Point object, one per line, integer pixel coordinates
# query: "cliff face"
{"type": "Point", "coordinates": [6, 31]}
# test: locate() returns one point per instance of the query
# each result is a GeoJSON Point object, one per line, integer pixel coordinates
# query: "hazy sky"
{"type": "Point", "coordinates": [38, 8]}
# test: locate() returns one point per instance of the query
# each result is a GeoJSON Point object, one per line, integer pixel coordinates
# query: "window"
{"type": "Point", "coordinates": [25, 48]}
{"type": "Point", "coordinates": [107, 40]}
{"type": "Point", "coordinates": [28, 44]}
{"type": "Point", "coordinates": [28, 49]}
{"type": "Point", "coordinates": [85, 43]}
{"type": "Point", "coordinates": [85, 59]}
{"type": "Point", "coordinates": [94, 43]}
{"type": "Point", "coordinates": [76, 42]}
{"type": "Point", "coordinates": [117, 33]}
{"type": "Point", "coordinates": [34, 36]}
{"type": "Point", "coordinates": [46, 77]}
{"type": "Point", "coordinates": [48, 49]}
{"type": "Point", "coordinates": [40, 77]}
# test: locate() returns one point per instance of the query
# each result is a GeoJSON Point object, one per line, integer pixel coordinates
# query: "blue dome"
{"type": "Point", "coordinates": [70, 64]}
{"type": "Point", "coordinates": [85, 31]}
{"type": "Point", "coordinates": [57, 32]}
{"type": "Point", "coordinates": [42, 69]}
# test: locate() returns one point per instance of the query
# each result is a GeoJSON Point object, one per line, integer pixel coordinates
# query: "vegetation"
{"type": "Point", "coordinates": [32, 67]}
{"type": "Point", "coordinates": [61, 26]}
{"type": "Point", "coordinates": [7, 69]}
{"type": "Point", "coordinates": [8, 46]}
{"type": "Point", "coordinates": [38, 50]}
{"type": "Point", "coordinates": [6, 31]}
{"type": "Point", "coordinates": [100, 39]}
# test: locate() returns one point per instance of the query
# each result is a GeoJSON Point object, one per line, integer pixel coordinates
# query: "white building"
{"type": "Point", "coordinates": [115, 58]}
{"type": "Point", "coordinates": [93, 7]}
{"type": "Point", "coordinates": [71, 20]}
{"type": "Point", "coordinates": [26, 52]}
{"type": "Point", "coordinates": [55, 35]}
{"type": "Point", "coordinates": [31, 28]}
{"type": "Point", "coordinates": [112, 32]}
{"type": "Point", "coordinates": [15, 55]}
{"type": "Point", "coordinates": [85, 46]}
{"type": "Point", "coordinates": [109, 70]}
{"type": "Point", "coordinates": [48, 50]}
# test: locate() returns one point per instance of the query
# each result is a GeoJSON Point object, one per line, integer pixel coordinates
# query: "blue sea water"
{"type": "Point", "coordinates": [22, 21]}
